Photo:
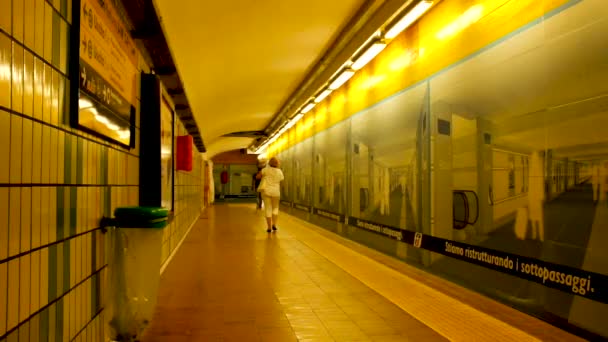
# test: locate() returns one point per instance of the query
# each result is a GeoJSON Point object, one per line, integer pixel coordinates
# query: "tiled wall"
{"type": "Point", "coordinates": [56, 183]}
{"type": "Point", "coordinates": [187, 200]}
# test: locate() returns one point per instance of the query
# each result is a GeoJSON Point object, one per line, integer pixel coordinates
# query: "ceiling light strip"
{"type": "Point", "coordinates": [408, 19]}
{"type": "Point", "coordinates": [372, 51]}
{"type": "Point", "coordinates": [307, 108]}
{"type": "Point", "coordinates": [325, 93]}
{"type": "Point", "coordinates": [340, 80]}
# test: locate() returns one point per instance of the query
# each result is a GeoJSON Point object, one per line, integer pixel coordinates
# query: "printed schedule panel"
{"type": "Point", "coordinates": [107, 72]}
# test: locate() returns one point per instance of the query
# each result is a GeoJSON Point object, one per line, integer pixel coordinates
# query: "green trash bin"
{"type": "Point", "coordinates": [135, 269]}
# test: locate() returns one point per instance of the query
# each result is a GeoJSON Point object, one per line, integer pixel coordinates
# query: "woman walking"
{"type": "Point", "coordinates": [270, 188]}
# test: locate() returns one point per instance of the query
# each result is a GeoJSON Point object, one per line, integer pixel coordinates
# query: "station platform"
{"type": "Point", "coordinates": [232, 281]}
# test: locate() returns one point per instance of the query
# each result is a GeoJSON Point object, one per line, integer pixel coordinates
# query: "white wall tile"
{"type": "Point", "coordinates": [26, 152]}
{"type": "Point", "coordinates": [14, 233]}
{"type": "Point", "coordinates": [73, 162]}
{"type": "Point", "coordinates": [68, 316]}
{"type": "Point", "coordinates": [24, 287]}
{"type": "Point", "coordinates": [53, 153]}
{"type": "Point", "coordinates": [63, 47]}
{"type": "Point", "coordinates": [26, 219]}
{"type": "Point", "coordinates": [60, 265]}
{"type": "Point", "coordinates": [28, 83]}
{"type": "Point", "coordinates": [44, 277]}
{"type": "Point", "coordinates": [47, 93]}
{"type": "Point", "coordinates": [44, 215]}
{"type": "Point", "coordinates": [4, 222]}
{"type": "Point", "coordinates": [16, 140]}
{"type": "Point", "coordinates": [13, 294]}
{"type": "Point", "coordinates": [18, 19]}
{"type": "Point", "coordinates": [6, 61]}
{"type": "Point", "coordinates": [35, 327]}
{"type": "Point", "coordinates": [36, 216]}
{"type": "Point", "coordinates": [60, 157]}
{"type": "Point", "coordinates": [38, 88]}
{"type": "Point", "coordinates": [48, 32]}
{"type": "Point", "coordinates": [17, 78]}
{"type": "Point", "coordinates": [29, 17]}
{"type": "Point", "coordinates": [46, 155]}
{"type": "Point", "coordinates": [6, 16]}
{"type": "Point", "coordinates": [52, 322]}
{"type": "Point", "coordinates": [85, 161]}
{"type": "Point", "coordinates": [5, 145]}
{"type": "Point", "coordinates": [71, 244]}
{"type": "Point", "coordinates": [54, 98]}
{"type": "Point", "coordinates": [35, 281]}
{"type": "Point", "coordinates": [3, 296]}
{"type": "Point", "coordinates": [39, 28]}
{"type": "Point", "coordinates": [52, 204]}
{"type": "Point", "coordinates": [36, 152]}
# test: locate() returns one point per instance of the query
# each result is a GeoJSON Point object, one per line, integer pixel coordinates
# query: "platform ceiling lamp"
{"type": "Point", "coordinates": [408, 19]}
{"type": "Point", "coordinates": [295, 120]}
{"type": "Point", "coordinates": [325, 93]}
{"type": "Point", "coordinates": [342, 78]}
{"type": "Point", "coordinates": [307, 108]}
{"type": "Point", "coordinates": [368, 54]}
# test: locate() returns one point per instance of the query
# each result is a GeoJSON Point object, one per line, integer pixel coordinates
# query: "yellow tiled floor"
{"type": "Point", "coordinates": [232, 281]}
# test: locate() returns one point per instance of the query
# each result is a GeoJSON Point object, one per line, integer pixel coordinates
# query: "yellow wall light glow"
{"type": "Point", "coordinates": [373, 81]}
{"type": "Point", "coordinates": [408, 19]}
{"type": "Point", "coordinates": [468, 18]}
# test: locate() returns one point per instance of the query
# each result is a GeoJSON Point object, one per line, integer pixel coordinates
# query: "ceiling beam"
{"type": "Point", "coordinates": [371, 17]}
{"type": "Point", "coordinates": [148, 30]}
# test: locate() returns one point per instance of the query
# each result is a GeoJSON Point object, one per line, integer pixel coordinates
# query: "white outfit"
{"type": "Point", "coordinates": [272, 178]}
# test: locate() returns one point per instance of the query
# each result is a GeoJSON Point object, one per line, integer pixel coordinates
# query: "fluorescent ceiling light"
{"type": "Point", "coordinates": [325, 93]}
{"type": "Point", "coordinates": [262, 148]}
{"type": "Point", "coordinates": [368, 55]}
{"type": "Point", "coordinates": [340, 80]}
{"type": "Point", "coordinates": [294, 120]}
{"type": "Point", "coordinates": [285, 128]}
{"type": "Point", "coordinates": [297, 118]}
{"type": "Point", "coordinates": [408, 19]}
{"type": "Point", "coordinates": [307, 108]}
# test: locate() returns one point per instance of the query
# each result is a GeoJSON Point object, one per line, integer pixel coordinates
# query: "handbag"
{"type": "Point", "coordinates": [262, 185]}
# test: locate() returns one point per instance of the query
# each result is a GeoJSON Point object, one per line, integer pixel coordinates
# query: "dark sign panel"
{"type": "Point", "coordinates": [568, 279]}
{"type": "Point", "coordinates": [328, 214]}
{"type": "Point", "coordinates": [301, 207]}
{"type": "Point", "coordinates": [107, 73]}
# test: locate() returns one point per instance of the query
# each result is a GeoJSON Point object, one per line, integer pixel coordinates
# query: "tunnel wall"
{"type": "Point", "coordinates": [56, 183]}
{"type": "Point", "coordinates": [492, 108]}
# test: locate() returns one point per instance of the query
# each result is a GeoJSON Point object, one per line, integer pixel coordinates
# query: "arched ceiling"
{"type": "Point", "coordinates": [240, 60]}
